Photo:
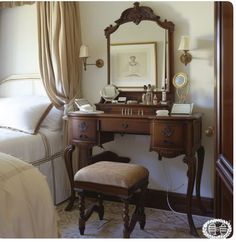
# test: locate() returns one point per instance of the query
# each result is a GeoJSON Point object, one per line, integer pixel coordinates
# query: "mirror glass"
{"type": "Point", "coordinates": [138, 56]}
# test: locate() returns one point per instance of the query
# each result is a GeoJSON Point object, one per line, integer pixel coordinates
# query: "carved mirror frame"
{"type": "Point", "coordinates": [136, 15]}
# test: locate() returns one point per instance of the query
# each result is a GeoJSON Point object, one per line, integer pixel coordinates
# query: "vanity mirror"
{"type": "Point", "coordinates": [140, 52]}
{"type": "Point", "coordinates": [180, 82]}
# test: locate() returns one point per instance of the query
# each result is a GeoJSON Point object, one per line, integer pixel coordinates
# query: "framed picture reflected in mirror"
{"type": "Point", "coordinates": [133, 65]}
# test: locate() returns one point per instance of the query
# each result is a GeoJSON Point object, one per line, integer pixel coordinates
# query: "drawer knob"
{"type": "Point", "coordinates": [83, 137]}
{"type": "Point", "coordinates": [125, 125]}
{"type": "Point", "coordinates": [168, 142]}
{"type": "Point", "coordinates": [83, 126]}
{"type": "Point", "coordinates": [168, 131]}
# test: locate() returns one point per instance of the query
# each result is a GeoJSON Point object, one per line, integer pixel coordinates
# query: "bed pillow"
{"type": "Point", "coordinates": [24, 113]}
{"type": "Point", "coordinates": [53, 121]}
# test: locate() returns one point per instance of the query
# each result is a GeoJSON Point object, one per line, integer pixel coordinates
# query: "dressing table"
{"type": "Point", "coordinates": [171, 136]}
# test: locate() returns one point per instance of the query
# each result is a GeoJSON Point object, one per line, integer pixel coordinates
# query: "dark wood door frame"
{"type": "Point", "coordinates": [224, 110]}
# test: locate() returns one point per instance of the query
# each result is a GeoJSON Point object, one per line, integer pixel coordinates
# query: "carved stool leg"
{"type": "Point", "coordinates": [142, 220]}
{"type": "Point", "coordinates": [126, 233]}
{"type": "Point", "coordinates": [82, 219]}
{"type": "Point", "coordinates": [135, 217]}
{"type": "Point", "coordinates": [138, 214]}
{"type": "Point", "coordinates": [142, 216]}
{"type": "Point", "coordinates": [101, 207]}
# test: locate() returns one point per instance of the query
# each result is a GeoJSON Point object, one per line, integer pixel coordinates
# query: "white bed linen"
{"type": "Point", "coordinates": [30, 148]}
{"type": "Point", "coordinates": [44, 150]}
{"type": "Point", "coordinates": [26, 207]}
{"type": "Point", "coordinates": [24, 113]}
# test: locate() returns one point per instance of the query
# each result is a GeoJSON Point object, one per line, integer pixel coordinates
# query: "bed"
{"type": "Point", "coordinates": [26, 206]}
{"type": "Point", "coordinates": [37, 141]}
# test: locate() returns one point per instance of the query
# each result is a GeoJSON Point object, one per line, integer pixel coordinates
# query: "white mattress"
{"type": "Point", "coordinates": [26, 206]}
{"type": "Point", "coordinates": [44, 150]}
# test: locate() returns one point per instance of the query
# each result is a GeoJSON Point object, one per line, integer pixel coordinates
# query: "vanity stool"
{"type": "Point", "coordinates": [117, 179]}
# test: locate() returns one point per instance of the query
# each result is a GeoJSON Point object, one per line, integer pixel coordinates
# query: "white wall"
{"type": "Point", "coordinates": [191, 18]}
{"type": "Point", "coordinates": [18, 41]}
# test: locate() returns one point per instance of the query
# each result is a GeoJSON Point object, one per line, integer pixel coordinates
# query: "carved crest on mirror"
{"type": "Point", "coordinates": [122, 48]}
{"type": "Point", "coordinates": [136, 15]}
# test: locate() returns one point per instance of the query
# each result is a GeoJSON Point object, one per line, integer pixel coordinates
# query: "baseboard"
{"type": "Point", "coordinates": [158, 199]}
{"type": "Point", "coordinates": [177, 201]}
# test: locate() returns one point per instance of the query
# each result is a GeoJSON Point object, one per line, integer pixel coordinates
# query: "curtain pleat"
{"type": "Point", "coordinates": [59, 43]}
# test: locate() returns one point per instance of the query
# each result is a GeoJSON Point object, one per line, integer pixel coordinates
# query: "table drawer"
{"type": "Point", "coordinates": [132, 126]}
{"type": "Point", "coordinates": [168, 134]}
{"type": "Point", "coordinates": [83, 130]}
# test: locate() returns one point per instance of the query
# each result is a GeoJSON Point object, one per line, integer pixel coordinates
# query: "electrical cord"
{"type": "Point", "coordinates": [169, 189]}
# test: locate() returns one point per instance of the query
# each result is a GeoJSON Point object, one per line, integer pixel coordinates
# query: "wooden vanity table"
{"type": "Point", "coordinates": [171, 136]}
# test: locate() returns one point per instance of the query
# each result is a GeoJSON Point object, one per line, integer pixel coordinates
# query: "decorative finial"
{"type": "Point", "coordinates": [136, 4]}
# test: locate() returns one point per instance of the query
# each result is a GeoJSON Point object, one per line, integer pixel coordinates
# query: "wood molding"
{"type": "Point", "coordinates": [224, 79]}
{"type": "Point", "coordinates": [136, 15]}
{"type": "Point", "coordinates": [158, 199]}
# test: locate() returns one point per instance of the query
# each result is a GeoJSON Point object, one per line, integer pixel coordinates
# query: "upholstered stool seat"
{"type": "Point", "coordinates": [116, 179]}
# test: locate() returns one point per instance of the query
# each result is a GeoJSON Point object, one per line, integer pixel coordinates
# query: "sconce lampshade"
{"type": "Point", "coordinates": [184, 43]}
{"type": "Point", "coordinates": [83, 54]}
{"type": "Point", "coordinates": [83, 51]}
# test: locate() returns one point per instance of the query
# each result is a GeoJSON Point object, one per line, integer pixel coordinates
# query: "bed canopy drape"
{"type": "Point", "coordinates": [59, 42]}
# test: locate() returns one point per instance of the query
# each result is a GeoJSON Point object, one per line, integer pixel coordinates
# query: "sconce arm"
{"type": "Point", "coordinates": [99, 63]}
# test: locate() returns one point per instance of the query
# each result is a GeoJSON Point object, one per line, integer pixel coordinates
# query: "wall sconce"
{"type": "Point", "coordinates": [83, 54]}
{"type": "Point", "coordinates": [184, 46]}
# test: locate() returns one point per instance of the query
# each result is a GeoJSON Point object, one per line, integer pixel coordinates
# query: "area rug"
{"type": "Point", "coordinates": [159, 223]}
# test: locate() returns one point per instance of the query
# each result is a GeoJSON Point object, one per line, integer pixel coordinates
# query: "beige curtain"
{"type": "Point", "coordinates": [12, 4]}
{"type": "Point", "coordinates": [59, 43]}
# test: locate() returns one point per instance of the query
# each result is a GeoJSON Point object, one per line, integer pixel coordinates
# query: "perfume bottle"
{"type": "Point", "coordinates": [144, 101]}
{"type": "Point", "coordinates": [163, 96]}
{"type": "Point", "coordinates": [149, 95]}
{"type": "Point", "coordinates": [155, 100]}
{"type": "Point", "coordinates": [144, 96]}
